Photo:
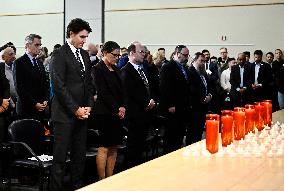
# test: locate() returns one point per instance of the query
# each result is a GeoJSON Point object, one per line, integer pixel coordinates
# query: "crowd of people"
{"type": "Point", "coordinates": [114, 86]}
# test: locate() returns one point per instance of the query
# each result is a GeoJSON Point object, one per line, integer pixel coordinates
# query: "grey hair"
{"type": "Point", "coordinates": [30, 38]}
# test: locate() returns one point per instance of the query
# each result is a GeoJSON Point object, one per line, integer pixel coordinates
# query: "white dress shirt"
{"type": "Point", "coordinates": [73, 49]}
{"type": "Point", "coordinates": [225, 80]}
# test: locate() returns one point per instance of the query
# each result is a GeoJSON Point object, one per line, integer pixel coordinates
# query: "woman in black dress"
{"type": "Point", "coordinates": [109, 108]}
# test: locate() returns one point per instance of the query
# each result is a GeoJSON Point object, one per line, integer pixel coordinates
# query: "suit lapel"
{"type": "Point", "coordinates": [72, 60]}
{"type": "Point", "coordinates": [134, 73]}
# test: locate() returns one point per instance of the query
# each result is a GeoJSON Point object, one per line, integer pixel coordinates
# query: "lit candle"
{"type": "Point", "coordinates": [212, 131]}
{"type": "Point", "coordinates": [259, 110]}
{"type": "Point", "coordinates": [267, 112]}
{"type": "Point", "coordinates": [227, 127]}
{"type": "Point", "coordinates": [239, 123]}
{"type": "Point", "coordinates": [250, 118]}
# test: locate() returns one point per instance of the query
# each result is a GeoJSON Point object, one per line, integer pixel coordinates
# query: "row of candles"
{"type": "Point", "coordinates": [236, 124]}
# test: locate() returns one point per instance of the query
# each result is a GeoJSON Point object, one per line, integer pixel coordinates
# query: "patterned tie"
{"type": "Point", "coordinates": [36, 67]}
{"type": "Point", "coordinates": [143, 76]}
{"type": "Point", "coordinates": [79, 62]}
{"type": "Point", "coordinates": [204, 82]}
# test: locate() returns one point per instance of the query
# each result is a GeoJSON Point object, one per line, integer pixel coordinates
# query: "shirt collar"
{"type": "Point", "coordinates": [73, 48]}
{"type": "Point", "coordinates": [30, 56]}
{"type": "Point", "coordinates": [8, 67]}
{"type": "Point", "coordinates": [136, 66]}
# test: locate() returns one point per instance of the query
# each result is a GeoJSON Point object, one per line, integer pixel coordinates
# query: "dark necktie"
{"type": "Point", "coordinates": [204, 82]}
{"type": "Point", "coordinates": [142, 75]}
{"type": "Point", "coordinates": [79, 62]}
{"type": "Point", "coordinates": [36, 67]}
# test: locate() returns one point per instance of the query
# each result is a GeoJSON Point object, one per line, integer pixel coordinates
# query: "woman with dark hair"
{"type": "Point", "coordinates": [109, 108]}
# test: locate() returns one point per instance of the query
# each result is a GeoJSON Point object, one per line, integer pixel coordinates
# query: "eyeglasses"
{"type": "Point", "coordinates": [185, 55]}
{"type": "Point", "coordinates": [142, 52]}
{"type": "Point", "coordinates": [115, 55]}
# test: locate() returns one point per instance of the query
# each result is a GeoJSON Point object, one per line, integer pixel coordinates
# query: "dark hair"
{"type": "Point", "coordinates": [179, 48]}
{"type": "Point", "coordinates": [30, 38]}
{"type": "Point", "coordinates": [56, 46]}
{"type": "Point", "coordinates": [231, 59]}
{"type": "Point", "coordinates": [197, 55]}
{"type": "Point", "coordinates": [131, 48]}
{"type": "Point", "coordinates": [161, 49]}
{"type": "Point", "coordinates": [109, 46]}
{"type": "Point", "coordinates": [9, 44]}
{"type": "Point", "coordinates": [213, 57]}
{"type": "Point", "coordinates": [258, 52]}
{"type": "Point", "coordinates": [205, 50]}
{"type": "Point", "coordinates": [123, 48]}
{"type": "Point", "coordinates": [270, 53]}
{"type": "Point", "coordinates": [247, 53]}
{"type": "Point", "coordinates": [77, 25]}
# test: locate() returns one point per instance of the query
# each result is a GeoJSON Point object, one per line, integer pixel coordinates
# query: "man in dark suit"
{"type": "Point", "coordinates": [240, 79]}
{"type": "Point", "coordinates": [201, 95]}
{"type": "Point", "coordinates": [261, 74]}
{"type": "Point", "coordinates": [31, 82]}
{"type": "Point", "coordinates": [175, 98]}
{"type": "Point", "coordinates": [71, 105]}
{"type": "Point", "coordinates": [138, 101]}
{"type": "Point", "coordinates": [4, 101]}
{"type": "Point", "coordinates": [212, 73]}
{"type": "Point", "coordinates": [4, 104]}
{"type": "Point", "coordinates": [278, 71]}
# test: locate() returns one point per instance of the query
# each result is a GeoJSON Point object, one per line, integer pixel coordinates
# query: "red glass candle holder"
{"type": "Point", "coordinates": [250, 118]}
{"type": "Point", "coordinates": [259, 115]}
{"type": "Point", "coordinates": [212, 131]}
{"type": "Point", "coordinates": [239, 123]}
{"type": "Point", "coordinates": [227, 127]}
{"type": "Point", "coordinates": [267, 112]}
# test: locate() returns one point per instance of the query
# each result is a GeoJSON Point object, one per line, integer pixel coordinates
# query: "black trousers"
{"type": "Point", "coordinates": [67, 136]}
{"type": "Point", "coordinates": [175, 127]}
{"type": "Point", "coordinates": [196, 125]}
{"type": "Point", "coordinates": [136, 139]}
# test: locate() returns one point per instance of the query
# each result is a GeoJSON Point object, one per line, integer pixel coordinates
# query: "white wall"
{"type": "Point", "coordinates": [19, 18]}
{"type": "Point", "coordinates": [89, 10]}
{"type": "Point", "coordinates": [197, 23]}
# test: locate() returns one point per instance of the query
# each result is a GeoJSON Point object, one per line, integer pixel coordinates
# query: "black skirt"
{"type": "Point", "coordinates": [110, 130]}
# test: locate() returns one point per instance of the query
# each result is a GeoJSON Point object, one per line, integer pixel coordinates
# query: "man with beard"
{"type": "Point", "coordinates": [175, 98]}
{"type": "Point", "coordinates": [201, 95]}
{"type": "Point", "coordinates": [240, 81]}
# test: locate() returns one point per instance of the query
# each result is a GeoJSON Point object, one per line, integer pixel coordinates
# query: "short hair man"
{"type": "Point", "coordinates": [175, 98]}
{"type": "Point", "coordinates": [261, 77]}
{"type": "Point", "coordinates": [138, 101]}
{"type": "Point", "coordinates": [71, 106]}
{"type": "Point", "coordinates": [201, 95]}
{"type": "Point", "coordinates": [31, 82]}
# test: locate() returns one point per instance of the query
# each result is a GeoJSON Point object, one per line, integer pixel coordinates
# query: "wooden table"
{"type": "Point", "coordinates": [278, 116]}
{"type": "Point", "coordinates": [179, 171]}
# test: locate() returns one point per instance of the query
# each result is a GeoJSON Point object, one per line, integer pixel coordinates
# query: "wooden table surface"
{"type": "Point", "coordinates": [181, 170]}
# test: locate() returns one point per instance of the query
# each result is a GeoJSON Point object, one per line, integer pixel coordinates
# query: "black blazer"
{"type": "Point", "coordinates": [4, 84]}
{"type": "Point", "coordinates": [31, 84]}
{"type": "Point", "coordinates": [71, 89]}
{"type": "Point", "coordinates": [235, 78]}
{"type": "Point", "coordinates": [197, 88]}
{"type": "Point", "coordinates": [110, 94]}
{"type": "Point", "coordinates": [264, 74]}
{"type": "Point", "coordinates": [136, 95]}
{"type": "Point", "coordinates": [174, 89]}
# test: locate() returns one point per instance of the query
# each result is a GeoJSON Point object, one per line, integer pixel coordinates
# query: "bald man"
{"type": "Point", "coordinates": [8, 57]}
{"type": "Point", "coordinates": [93, 51]}
{"type": "Point", "coordinates": [240, 79]}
